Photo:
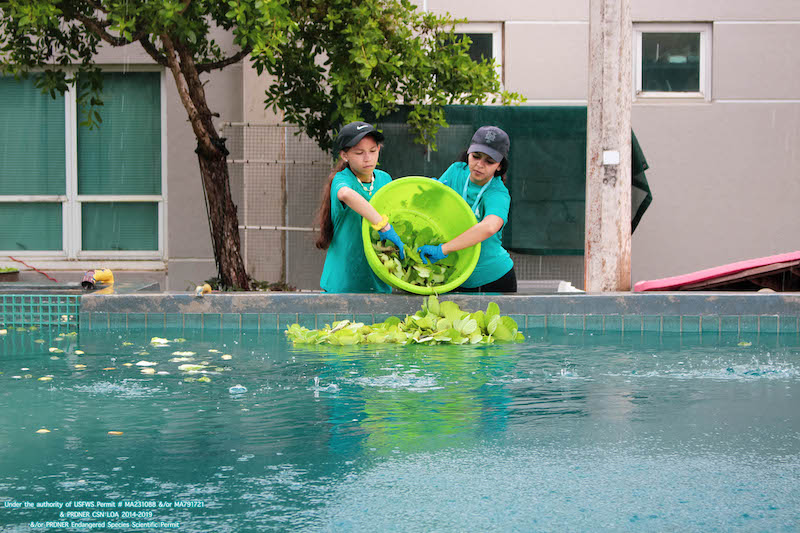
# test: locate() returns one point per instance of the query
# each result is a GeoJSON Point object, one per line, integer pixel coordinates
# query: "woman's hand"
{"type": "Point", "coordinates": [431, 253]}
{"type": "Point", "coordinates": [389, 234]}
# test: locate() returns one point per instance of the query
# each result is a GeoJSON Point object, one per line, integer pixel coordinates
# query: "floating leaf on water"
{"type": "Point", "coordinates": [56, 350]}
{"type": "Point", "coordinates": [127, 364]}
{"type": "Point", "coordinates": [189, 380]}
{"type": "Point", "coordinates": [180, 339]}
{"type": "Point", "coordinates": [180, 359]}
{"type": "Point", "coordinates": [43, 430]}
{"type": "Point", "coordinates": [5, 331]}
{"type": "Point", "coordinates": [185, 354]}
{"type": "Point", "coordinates": [58, 339]}
{"type": "Point", "coordinates": [71, 334]}
{"type": "Point", "coordinates": [126, 343]}
{"type": "Point", "coordinates": [162, 373]}
{"type": "Point", "coordinates": [79, 352]}
{"type": "Point", "coordinates": [39, 341]}
{"type": "Point", "coordinates": [191, 368]}
{"type": "Point", "coordinates": [212, 350]}
{"type": "Point", "coordinates": [146, 363]}
{"type": "Point", "coordinates": [55, 358]}
{"type": "Point", "coordinates": [20, 329]}
{"type": "Point", "coordinates": [28, 376]}
{"type": "Point", "coordinates": [115, 433]}
{"type": "Point", "coordinates": [745, 343]}
{"type": "Point", "coordinates": [24, 368]}
{"type": "Point", "coordinates": [16, 377]}
{"type": "Point", "coordinates": [110, 368]}
{"type": "Point", "coordinates": [79, 367]}
{"type": "Point", "coordinates": [159, 341]}
{"type": "Point", "coordinates": [46, 378]}
{"type": "Point", "coordinates": [227, 357]}
{"type": "Point", "coordinates": [204, 379]}
{"type": "Point", "coordinates": [148, 371]}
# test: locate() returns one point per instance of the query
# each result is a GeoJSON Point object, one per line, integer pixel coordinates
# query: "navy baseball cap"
{"type": "Point", "coordinates": [492, 141]}
{"type": "Point", "coordinates": [351, 134]}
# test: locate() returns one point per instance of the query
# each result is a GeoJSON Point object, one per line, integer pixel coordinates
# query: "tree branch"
{"type": "Point", "coordinates": [153, 52]}
{"type": "Point", "coordinates": [205, 67]}
{"type": "Point", "coordinates": [97, 7]}
{"type": "Point", "coordinates": [196, 91]}
{"type": "Point", "coordinates": [96, 27]}
{"type": "Point", "coordinates": [198, 126]}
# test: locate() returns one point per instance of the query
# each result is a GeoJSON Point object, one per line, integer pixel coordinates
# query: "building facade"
{"type": "Point", "coordinates": [716, 110]}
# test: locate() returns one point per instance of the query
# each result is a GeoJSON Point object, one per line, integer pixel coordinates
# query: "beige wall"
{"type": "Point", "coordinates": [725, 184]}
{"type": "Point", "coordinates": [547, 61]}
{"type": "Point", "coordinates": [725, 174]}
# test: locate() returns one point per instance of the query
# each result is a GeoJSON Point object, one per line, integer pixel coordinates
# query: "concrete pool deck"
{"type": "Point", "coordinates": [679, 312]}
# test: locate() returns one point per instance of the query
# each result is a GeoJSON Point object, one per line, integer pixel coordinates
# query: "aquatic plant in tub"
{"type": "Point", "coordinates": [422, 211]}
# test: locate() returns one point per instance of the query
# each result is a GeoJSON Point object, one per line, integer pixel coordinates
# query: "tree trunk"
{"type": "Point", "coordinates": [224, 220]}
{"type": "Point", "coordinates": [211, 153]}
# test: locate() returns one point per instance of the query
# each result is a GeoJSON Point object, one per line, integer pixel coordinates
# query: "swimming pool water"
{"type": "Point", "coordinates": [564, 432]}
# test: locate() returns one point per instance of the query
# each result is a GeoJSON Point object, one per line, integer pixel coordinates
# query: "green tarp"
{"type": "Point", "coordinates": [546, 176]}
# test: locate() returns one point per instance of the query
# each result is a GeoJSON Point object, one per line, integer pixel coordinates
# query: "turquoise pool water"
{"type": "Point", "coordinates": [565, 432]}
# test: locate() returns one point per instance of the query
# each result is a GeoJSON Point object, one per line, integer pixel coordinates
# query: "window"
{"type": "Point", "coordinates": [487, 42]}
{"type": "Point", "coordinates": [78, 193]}
{"type": "Point", "coordinates": [672, 60]}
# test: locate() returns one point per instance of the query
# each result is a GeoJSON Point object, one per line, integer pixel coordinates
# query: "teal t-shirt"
{"type": "Point", "coordinates": [494, 261]}
{"type": "Point", "coordinates": [346, 268]}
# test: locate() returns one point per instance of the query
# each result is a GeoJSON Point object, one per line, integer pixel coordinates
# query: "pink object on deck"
{"type": "Point", "coordinates": [692, 280]}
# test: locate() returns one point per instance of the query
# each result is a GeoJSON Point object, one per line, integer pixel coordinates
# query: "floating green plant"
{"type": "Point", "coordinates": [436, 323]}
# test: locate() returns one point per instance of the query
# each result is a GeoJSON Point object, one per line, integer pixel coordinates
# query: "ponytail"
{"type": "Point", "coordinates": [323, 218]}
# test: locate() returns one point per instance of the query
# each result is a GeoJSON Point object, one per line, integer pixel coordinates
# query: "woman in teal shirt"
{"type": "Point", "coordinates": [345, 201]}
{"type": "Point", "coordinates": [478, 179]}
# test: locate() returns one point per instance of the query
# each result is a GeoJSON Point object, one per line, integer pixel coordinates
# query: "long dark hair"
{"type": "Point", "coordinates": [323, 218]}
{"type": "Point", "coordinates": [501, 170]}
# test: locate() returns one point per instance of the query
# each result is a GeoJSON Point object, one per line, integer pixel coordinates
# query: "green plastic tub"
{"type": "Point", "coordinates": [424, 202]}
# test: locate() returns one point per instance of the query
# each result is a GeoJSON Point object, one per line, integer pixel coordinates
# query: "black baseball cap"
{"type": "Point", "coordinates": [351, 134]}
{"type": "Point", "coordinates": [492, 141]}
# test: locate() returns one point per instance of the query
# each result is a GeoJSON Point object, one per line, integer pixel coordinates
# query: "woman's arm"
{"type": "Point", "coordinates": [357, 203]}
{"type": "Point", "coordinates": [477, 233]}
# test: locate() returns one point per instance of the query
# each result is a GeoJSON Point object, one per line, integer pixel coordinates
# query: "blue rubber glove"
{"type": "Point", "coordinates": [431, 253]}
{"type": "Point", "coordinates": [391, 235]}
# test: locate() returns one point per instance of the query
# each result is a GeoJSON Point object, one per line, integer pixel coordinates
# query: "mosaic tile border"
{"type": "Point", "coordinates": [665, 324]}
{"type": "Point", "coordinates": [687, 313]}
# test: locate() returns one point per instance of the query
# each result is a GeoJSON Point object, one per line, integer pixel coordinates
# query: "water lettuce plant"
{"type": "Point", "coordinates": [411, 269]}
{"type": "Point", "coordinates": [436, 323]}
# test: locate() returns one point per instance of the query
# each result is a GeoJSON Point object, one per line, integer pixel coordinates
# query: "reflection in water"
{"type": "Point", "coordinates": [321, 437]}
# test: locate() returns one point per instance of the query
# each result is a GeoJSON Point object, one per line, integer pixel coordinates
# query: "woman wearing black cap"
{"type": "Point", "coordinates": [345, 200]}
{"type": "Point", "coordinates": [478, 178]}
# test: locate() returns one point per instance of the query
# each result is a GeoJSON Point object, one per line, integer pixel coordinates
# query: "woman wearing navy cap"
{"type": "Point", "coordinates": [351, 183]}
{"type": "Point", "coordinates": [478, 178]}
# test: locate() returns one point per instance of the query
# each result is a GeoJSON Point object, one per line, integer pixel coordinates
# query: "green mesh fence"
{"type": "Point", "coordinates": [23, 310]}
{"type": "Point", "coordinates": [546, 175]}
